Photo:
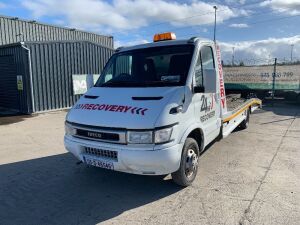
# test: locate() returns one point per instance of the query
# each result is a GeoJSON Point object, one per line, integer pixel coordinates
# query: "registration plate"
{"type": "Point", "coordinates": [99, 163]}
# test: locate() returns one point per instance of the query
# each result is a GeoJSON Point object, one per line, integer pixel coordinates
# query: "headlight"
{"type": "Point", "coordinates": [140, 137]}
{"type": "Point", "coordinates": [69, 130]}
{"type": "Point", "coordinates": [146, 137]}
{"type": "Point", "coordinates": [163, 135]}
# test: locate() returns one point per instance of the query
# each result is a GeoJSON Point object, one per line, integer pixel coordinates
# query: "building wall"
{"type": "Point", "coordinates": [54, 63]}
{"type": "Point", "coordinates": [46, 69]}
{"type": "Point", "coordinates": [13, 63]}
{"type": "Point", "coordinates": [14, 30]}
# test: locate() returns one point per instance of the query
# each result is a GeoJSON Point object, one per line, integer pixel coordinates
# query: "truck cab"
{"type": "Point", "coordinates": [154, 109]}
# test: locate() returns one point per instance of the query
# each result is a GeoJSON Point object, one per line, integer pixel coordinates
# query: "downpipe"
{"type": "Point", "coordinates": [30, 76]}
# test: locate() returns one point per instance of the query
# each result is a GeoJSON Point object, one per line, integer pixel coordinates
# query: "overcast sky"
{"type": "Point", "coordinates": [256, 29]}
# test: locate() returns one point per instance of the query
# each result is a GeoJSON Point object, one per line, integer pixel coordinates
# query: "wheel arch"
{"type": "Point", "coordinates": [196, 133]}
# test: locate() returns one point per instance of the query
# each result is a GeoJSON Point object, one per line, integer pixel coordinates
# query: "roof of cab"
{"type": "Point", "coordinates": [164, 43]}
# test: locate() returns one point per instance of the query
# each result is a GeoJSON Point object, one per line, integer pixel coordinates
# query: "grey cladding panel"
{"type": "Point", "coordinates": [8, 83]}
{"type": "Point", "coordinates": [13, 62]}
{"type": "Point", "coordinates": [15, 30]}
{"type": "Point", "coordinates": [53, 64]}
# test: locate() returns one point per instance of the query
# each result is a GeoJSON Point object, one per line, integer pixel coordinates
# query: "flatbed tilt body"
{"type": "Point", "coordinates": [154, 109]}
{"type": "Point", "coordinates": [238, 108]}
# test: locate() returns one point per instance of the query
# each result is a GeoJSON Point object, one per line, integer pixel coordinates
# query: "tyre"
{"type": "Point", "coordinates": [244, 94]}
{"type": "Point", "coordinates": [245, 123]}
{"type": "Point", "coordinates": [220, 136]}
{"type": "Point", "coordinates": [298, 99]}
{"type": "Point", "coordinates": [290, 96]}
{"type": "Point", "coordinates": [188, 169]}
{"type": "Point", "coordinates": [261, 95]}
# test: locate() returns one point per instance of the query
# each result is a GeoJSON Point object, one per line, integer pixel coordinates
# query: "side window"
{"type": "Point", "coordinates": [208, 68]}
{"type": "Point", "coordinates": [123, 65]}
{"type": "Point", "coordinates": [207, 58]}
{"type": "Point", "coordinates": [109, 73]}
{"type": "Point", "coordinates": [198, 72]}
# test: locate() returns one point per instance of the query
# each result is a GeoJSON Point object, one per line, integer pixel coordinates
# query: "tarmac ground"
{"type": "Point", "coordinates": [250, 177]}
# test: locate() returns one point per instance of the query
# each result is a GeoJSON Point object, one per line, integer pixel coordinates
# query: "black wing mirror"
{"type": "Point", "coordinates": [198, 89]}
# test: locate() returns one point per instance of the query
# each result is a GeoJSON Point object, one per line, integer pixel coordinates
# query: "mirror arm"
{"type": "Point", "coordinates": [198, 89]}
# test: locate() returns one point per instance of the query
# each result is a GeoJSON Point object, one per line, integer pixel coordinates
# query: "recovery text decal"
{"type": "Point", "coordinates": [112, 108]}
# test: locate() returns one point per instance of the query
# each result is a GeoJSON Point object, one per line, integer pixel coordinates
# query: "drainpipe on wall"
{"type": "Point", "coordinates": [30, 76]}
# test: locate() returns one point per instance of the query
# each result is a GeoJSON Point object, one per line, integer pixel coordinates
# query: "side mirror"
{"type": "Point", "coordinates": [198, 89]}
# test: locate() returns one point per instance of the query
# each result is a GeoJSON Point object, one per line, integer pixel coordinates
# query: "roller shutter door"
{"type": "Point", "coordinates": [9, 96]}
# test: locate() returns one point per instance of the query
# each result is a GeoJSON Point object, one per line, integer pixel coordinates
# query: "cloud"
{"type": "Point", "coordinates": [291, 7]}
{"type": "Point", "coordinates": [2, 5]}
{"type": "Point", "coordinates": [262, 49]}
{"type": "Point", "coordinates": [130, 43]}
{"type": "Point", "coordinates": [235, 1]}
{"type": "Point", "coordinates": [248, 51]}
{"type": "Point", "coordinates": [204, 30]}
{"type": "Point", "coordinates": [59, 22]}
{"type": "Point", "coordinates": [121, 15]}
{"type": "Point", "coordinates": [239, 25]}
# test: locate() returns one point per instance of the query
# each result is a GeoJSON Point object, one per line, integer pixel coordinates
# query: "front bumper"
{"type": "Point", "coordinates": [131, 160]}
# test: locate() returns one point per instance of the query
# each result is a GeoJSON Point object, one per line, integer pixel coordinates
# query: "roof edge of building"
{"type": "Point", "coordinates": [51, 25]}
{"type": "Point", "coordinates": [11, 45]}
{"type": "Point", "coordinates": [53, 42]}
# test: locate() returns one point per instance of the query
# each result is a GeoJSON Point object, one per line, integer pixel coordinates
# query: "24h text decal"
{"type": "Point", "coordinates": [207, 103]}
{"type": "Point", "coordinates": [112, 108]}
{"type": "Point", "coordinates": [207, 106]}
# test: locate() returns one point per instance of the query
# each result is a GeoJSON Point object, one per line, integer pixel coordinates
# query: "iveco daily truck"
{"type": "Point", "coordinates": [155, 107]}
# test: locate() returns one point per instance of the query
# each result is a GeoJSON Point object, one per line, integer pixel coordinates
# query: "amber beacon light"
{"type": "Point", "coordinates": [164, 36]}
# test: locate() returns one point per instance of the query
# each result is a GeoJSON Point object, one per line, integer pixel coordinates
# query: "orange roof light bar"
{"type": "Point", "coordinates": [164, 37]}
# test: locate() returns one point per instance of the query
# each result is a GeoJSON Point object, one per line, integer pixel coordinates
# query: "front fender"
{"type": "Point", "coordinates": [189, 129]}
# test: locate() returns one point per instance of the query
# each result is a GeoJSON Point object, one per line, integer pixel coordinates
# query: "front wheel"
{"type": "Point", "coordinates": [188, 169]}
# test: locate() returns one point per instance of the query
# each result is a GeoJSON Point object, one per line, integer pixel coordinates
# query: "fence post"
{"type": "Point", "coordinates": [273, 84]}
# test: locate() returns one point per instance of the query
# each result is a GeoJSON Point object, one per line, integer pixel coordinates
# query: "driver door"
{"type": "Point", "coordinates": [205, 99]}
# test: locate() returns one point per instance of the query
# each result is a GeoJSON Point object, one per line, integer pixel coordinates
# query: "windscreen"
{"type": "Point", "coordinates": [148, 67]}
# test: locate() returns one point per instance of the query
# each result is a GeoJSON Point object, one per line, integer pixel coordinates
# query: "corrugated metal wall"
{"type": "Point", "coordinates": [53, 64]}
{"type": "Point", "coordinates": [13, 62]}
{"type": "Point", "coordinates": [123, 64]}
{"type": "Point", "coordinates": [13, 30]}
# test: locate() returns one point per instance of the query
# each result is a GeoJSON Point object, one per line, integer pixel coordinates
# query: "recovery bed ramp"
{"type": "Point", "coordinates": [233, 118]}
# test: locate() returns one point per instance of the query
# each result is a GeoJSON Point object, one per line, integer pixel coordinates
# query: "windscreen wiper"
{"type": "Point", "coordinates": [119, 84]}
{"type": "Point", "coordinates": [161, 83]}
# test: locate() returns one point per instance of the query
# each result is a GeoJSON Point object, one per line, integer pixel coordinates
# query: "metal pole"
{"type": "Point", "coordinates": [273, 84]}
{"type": "Point", "coordinates": [292, 48]}
{"type": "Point", "coordinates": [215, 28]}
{"type": "Point", "coordinates": [232, 56]}
{"type": "Point", "coordinates": [30, 76]}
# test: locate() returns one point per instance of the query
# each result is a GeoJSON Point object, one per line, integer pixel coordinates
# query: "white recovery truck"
{"type": "Point", "coordinates": [154, 109]}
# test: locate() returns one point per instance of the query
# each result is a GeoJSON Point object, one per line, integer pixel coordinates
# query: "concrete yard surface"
{"type": "Point", "coordinates": [251, 177]}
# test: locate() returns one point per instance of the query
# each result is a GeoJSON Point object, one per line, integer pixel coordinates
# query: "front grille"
{"type": "Point", "coordinates": [98, 135]}
{"type": "Point", "coordinates": [102, 153]}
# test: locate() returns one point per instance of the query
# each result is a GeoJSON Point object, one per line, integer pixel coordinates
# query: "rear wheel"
{"type": "Point", "coordinates": [298, 99]}
{"type": "Point", "coordinates": [261, 95]}
{"type": "Point", "coordinates": [187, 172]}
{"type": "Point", "coordinates": [245, 123]}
